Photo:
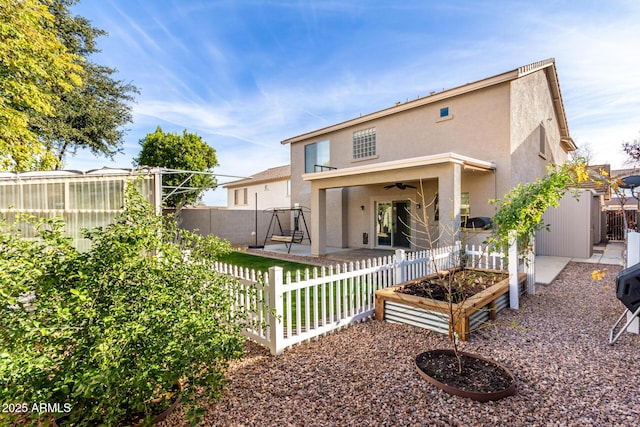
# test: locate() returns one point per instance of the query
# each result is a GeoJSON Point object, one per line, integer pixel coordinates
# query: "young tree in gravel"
{"type": "Point", "coordinates": [520, 211]}
{"type": "Point", "coordinates": [455, 286]}
{"type": "Point", "coordinates": [35, 70]}
{"type": "Point", "coordinates": [183, 152]}
{"type": "Point", "coordinates": [92, 115]}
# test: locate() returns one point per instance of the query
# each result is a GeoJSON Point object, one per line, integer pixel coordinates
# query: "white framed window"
{"type": "Point", "coordinates": [316, 156]}
{"type": "Point", "coordinates": [444, 115]}
{"type": "Point", "coordinates": [465, 209]}
{"type": "Point", "coordinates": [364, 143]}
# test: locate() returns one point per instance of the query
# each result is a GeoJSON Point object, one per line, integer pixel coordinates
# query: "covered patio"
{"type": "Point", "coordinates": [446, 169]}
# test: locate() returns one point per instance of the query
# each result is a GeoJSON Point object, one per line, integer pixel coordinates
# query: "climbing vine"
{"type": "Point", "coordinates": [522, 208]}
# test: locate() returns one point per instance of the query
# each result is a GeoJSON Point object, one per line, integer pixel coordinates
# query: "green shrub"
{"type": "Point", "coordinates": [109, 334]}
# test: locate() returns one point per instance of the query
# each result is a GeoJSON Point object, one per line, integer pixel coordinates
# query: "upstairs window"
{"type": "Point", "coordinates": [444, 112]}
{"type": "Point", "coordinates": [316, 156]}
{"type": "Point", "coordinates": [364, 143]}
{"type": "Point", "coordinates": [240, 196]}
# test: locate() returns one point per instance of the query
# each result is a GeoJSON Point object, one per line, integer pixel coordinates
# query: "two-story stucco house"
{"type": "Point", "coordinates": [462, 146]}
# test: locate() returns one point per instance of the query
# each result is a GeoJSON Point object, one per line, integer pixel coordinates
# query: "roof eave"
{"type": "Point", "coordinates": [249, 181]}
{"type": "Point", "coordinates": [566, 141]}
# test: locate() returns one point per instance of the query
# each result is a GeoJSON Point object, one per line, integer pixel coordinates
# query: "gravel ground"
{"type": "Point", "coordinates": [567, 374]}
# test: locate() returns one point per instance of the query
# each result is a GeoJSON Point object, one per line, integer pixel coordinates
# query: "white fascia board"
{"type": "Point", "coordinates": [402, 164]}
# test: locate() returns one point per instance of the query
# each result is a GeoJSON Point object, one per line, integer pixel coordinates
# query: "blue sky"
{"type": "Point", "coordinates": [245, 75]}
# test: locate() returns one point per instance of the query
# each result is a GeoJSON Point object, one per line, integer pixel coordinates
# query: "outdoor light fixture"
{"type": "Point", "coordinates": [361, 207]}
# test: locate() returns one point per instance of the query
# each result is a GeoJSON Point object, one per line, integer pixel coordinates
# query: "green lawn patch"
{"type": "Point", "coordinates": [260, 263]}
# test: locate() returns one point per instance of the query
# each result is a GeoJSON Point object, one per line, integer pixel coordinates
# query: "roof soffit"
{"type": "Point", "coordinates": [279, 173]}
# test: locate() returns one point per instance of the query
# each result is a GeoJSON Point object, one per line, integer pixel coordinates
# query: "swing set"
{"type": "Point", "coordinates": [288, 237]}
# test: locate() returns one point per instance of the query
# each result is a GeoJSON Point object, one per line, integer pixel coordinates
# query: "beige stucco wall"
{"type": "Point", "coordinates": [532, 108]}
{"type": "Point", "coordinates": [482, 133]}
{"type": "Point", "coordinates": [272, 194]}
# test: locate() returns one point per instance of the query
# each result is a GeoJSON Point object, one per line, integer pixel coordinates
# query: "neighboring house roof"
{"type": "Point", "coordinates": [278, 173]}
{"type": "Point", "coordinates": [552, 77]}
{"type": "Point", "coordinates": [599, 180]}
{"type": "Point", "coordinates": [622, 173]}
{"type": "Point", "coordinates": [630, 202]}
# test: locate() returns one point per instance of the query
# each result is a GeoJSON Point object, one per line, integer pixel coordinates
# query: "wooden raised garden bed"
{"type": "Point", "coordinates": [394, 306]}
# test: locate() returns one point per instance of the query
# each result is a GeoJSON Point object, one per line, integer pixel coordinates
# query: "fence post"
{"type": "Point", "coordinates": [457, 254]}
{"type": "Point", "coordinates": [276, 312]}
{"type": "Point", "coordinates": [530, 267]}
{"type": "Point", "coordinates": [514, 292]}
{"type": "Point", "coordinates": [400, 275]}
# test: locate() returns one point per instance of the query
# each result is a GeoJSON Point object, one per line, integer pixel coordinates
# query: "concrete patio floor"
{"type": "Point", "coordinates": [547, 267]}
{"type": "Point", "coordinates": [338, 255]}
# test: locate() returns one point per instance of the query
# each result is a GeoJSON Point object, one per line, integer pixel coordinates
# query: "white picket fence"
{"type": "Point", "coordinates": [291, 308]}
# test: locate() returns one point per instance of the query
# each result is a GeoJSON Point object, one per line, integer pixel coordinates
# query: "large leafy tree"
{"type": "Point", "coordinates": [180, 152]}
{"type": "Point", "coordinates": [90, 116]}
{"type": "Point", "coordinates": [36, 68]}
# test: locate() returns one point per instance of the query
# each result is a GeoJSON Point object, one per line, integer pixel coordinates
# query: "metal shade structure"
{"type": "Point", "coordinates": [184, 186]}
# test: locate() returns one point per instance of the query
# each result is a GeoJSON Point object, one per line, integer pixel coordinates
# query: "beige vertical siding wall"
{"type": "Point", "coordinates": [596, 221]}
{"type": "Point", "coordinates": [571, 233]}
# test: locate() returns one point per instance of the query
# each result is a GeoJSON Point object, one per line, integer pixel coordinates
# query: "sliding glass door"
{"type": "Point", "coordinates": [393, 223]}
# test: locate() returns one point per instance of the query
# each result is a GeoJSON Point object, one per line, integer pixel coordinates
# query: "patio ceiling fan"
{"type": "Point", "coordinates": [399, 185]}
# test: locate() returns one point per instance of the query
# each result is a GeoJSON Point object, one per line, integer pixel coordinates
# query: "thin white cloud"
{"type": "Point", "coordinates": [247, 75]}
{"type": "Point", "coordinates": [125, 27]}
